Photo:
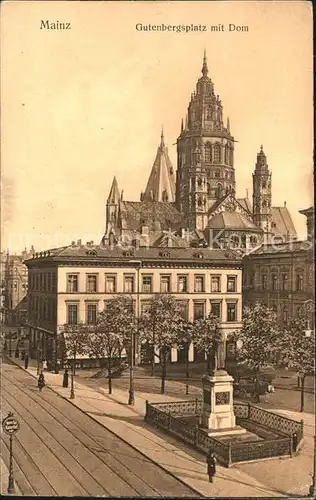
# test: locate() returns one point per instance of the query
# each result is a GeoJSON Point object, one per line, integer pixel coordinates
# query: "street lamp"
{"type": "Point", "coordinates": [72, 388]}
{"type": "Point", "coordinates": [10, 343]}
{"type": "Point", "coordinates": [131, 395]}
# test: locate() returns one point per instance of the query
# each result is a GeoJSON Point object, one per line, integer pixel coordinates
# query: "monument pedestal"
{"type": "Point", "coordinates": [218, 410]}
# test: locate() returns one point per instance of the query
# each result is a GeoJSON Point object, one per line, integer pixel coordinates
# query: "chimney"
{"type": "Point", "coordinates": [285, 204]}
{"type": "Point", "coordinates": [73, 243]}
{"type": "Point", "coordinates": [79, 243]}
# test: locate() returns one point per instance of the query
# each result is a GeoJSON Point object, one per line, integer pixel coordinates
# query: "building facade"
{"type": "Point", "coordinates": [15, 285]}
{"type": "Point", "coordinates": [201, 195]}
{"type": "Point", "coordinates": [72, 284]}
{"type": "Point", "coordinates": [281, 276]}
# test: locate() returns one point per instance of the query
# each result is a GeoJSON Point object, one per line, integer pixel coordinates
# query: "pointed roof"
{"type": "Point", "coordinates": [114, 195]}
{"type": "Point", "coordinates": [161, 182]}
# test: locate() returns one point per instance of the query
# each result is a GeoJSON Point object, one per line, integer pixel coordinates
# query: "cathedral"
{"type": "Point", "coordinates": [197, 205]}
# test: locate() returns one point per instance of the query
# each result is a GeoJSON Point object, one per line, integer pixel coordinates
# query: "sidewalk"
{"type": "Point", "coordinates": [4, 479]}
{"type": "Point", "coordinates": [180, 460]}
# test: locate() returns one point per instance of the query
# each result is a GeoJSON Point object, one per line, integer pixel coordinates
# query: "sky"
{"type": "Point", "coordinates": [82, 105]}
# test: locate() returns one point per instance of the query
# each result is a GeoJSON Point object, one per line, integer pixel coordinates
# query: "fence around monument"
{"type": "Point", "coordinates": [167, 416]}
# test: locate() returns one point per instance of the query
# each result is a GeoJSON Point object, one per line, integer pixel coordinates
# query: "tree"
{"type": "Point", "coordinates": [107, 337]}
{"type": "Point", "coordinates": [161, 328]}
{"type": "Point", "coordinates": [206, 337]}
{"type": "Point", "coordinates": [296, 350]}
{"type": "Point", "coordinates": [73, 341]}
{"type": "Point", "coordinates": [257, 338]}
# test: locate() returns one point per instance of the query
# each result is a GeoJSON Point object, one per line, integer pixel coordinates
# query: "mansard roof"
{"type": "Point", "coordinates": [107, 256]}
{"type": "Point", "coordinates": [161, 184]}
{"type": "Point", "coordinates": [283, 248]}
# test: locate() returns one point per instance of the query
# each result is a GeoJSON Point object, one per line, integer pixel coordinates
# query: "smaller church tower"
{"type": "Point", "coordinates": [197, 210]}
{"type": "Point", "coordinates": [112, 206]}
{"type": "Point", "coordinates": [262, 197]}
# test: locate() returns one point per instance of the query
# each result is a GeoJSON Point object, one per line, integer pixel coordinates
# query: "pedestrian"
{"type": "Point", "coordinates": [294, 441]}
{"type": "Point", "coordinates": [17, 353]}
{"type": "Point", "coordinates": [41, 381]}
{"type": "Point", "coordinates": [22, 354]}
{"type": "Point", "coordinates": [26, 361]}
{"type": "Point", "coordinates": [211, 466]}
{"type": "Point", "coordinates": [65, 378]}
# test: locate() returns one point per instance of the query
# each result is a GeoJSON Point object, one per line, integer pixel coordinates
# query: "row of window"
{"type": "Point", "coordinates": [198, 311]}
{"type": "Point", "coordinates": [147, 283]}
{"type": "Point", "coordinates": [43, 282]}
{"type": "Point", "coordinates": [42, 309]}
{"type": "Point", "coordinates": [279, 282]}
{"type": "Point", "coordinates": [213, 154]}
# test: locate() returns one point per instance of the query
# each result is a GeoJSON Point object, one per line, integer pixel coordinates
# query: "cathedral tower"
{"type": "Point", "coordinates": [197, 213]}
{"type": "Point", "coordinates": [261, 179]}
{"type": "Point", "coordinates": [204, 128]}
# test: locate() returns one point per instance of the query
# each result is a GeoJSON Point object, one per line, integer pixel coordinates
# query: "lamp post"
{"type": "Point", "coordinates": [10, 343]}
{"type": "Point", "coordinates": [131, 395]}
{"type": "Point", "coordinates": [72, 388]}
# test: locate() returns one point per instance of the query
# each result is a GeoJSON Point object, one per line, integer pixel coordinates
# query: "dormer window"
{"type": "Point", "coordinates": [91, 252]}
{"type": "Point", "coordinates": [164, 254]}
{"type": "Point", "coordinates": [199, 255]}
{"type": "Point", "coordinates": [128, 253]}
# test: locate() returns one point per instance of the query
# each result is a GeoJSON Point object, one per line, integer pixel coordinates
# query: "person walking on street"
{"type": "Point", "coordinates": [65, 378]}
{"type": "Point", "coordinates": [26, 361]}
{"type": "Point", "coordinates": [41, 381]}
{"type": "Point", "coordinates": [294, 441]}
{"type": "Point", "coordinates": [211, 465]}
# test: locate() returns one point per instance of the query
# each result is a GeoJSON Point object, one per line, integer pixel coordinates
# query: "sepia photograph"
{"type": "Point", "coordinates": [157, 249]}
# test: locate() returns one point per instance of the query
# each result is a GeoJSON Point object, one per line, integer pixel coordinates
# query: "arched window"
{"type": "Point", "coordinates": [253, 240]}
{"type": "Point", "coordinates": [208, 153]}
{"type": "Point", "coordinates": [217, 153]}
{"type": "Point", "coordinates": [227, 154]}
{"type": "Point", "coordinates": [231, 157]}
{"type": "Point", "coordinates": [208, 188]}
{"type": "Point", "coordinates": [264, 184]}
{"type": "Point", "coordinates": [219, 190]}
{"type": "Point", "coordinates": [264, 204]}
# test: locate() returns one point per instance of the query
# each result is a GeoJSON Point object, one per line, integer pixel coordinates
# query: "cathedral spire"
{"type": "Point", "coordinates": [182, 127]}
{"type": "Point", "coordinates": [161, 182]}
{"type": "Point", "coordinates": [228, 125]}
{"type": "Point", "coordinates": [162, 139]}
{"type": "Point", "coordinates": [114, 195]}
{"type": "Point", "coordinates": [204, 67]}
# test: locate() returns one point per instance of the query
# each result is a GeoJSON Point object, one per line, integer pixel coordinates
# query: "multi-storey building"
{"type": "Point", "coordinates": [281, 275]}
{"type": "Point", "coordinates": [15, 284]}
{"type": "Point", "coordinates": [72, 284]}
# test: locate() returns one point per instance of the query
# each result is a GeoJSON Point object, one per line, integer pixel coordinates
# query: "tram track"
{"type": "Point", "coordinates": [131, 482]}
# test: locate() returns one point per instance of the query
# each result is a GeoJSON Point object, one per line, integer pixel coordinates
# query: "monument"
{"type": "Point", "coordinates": [217, 408]}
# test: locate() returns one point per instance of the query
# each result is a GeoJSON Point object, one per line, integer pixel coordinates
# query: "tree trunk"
{"type": "Point", "coordinates": [257, 386]}
{"type": "Point", "coordinates": [188, 368]}
{"type": "Point", "coordinates": [163, 372]}
{"type": "Point", "coordinates": [110, 374]}
{"type": "Point", "coordinates": [302, 392]}
{"type": "Point", "coordinates": [153, 357]}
